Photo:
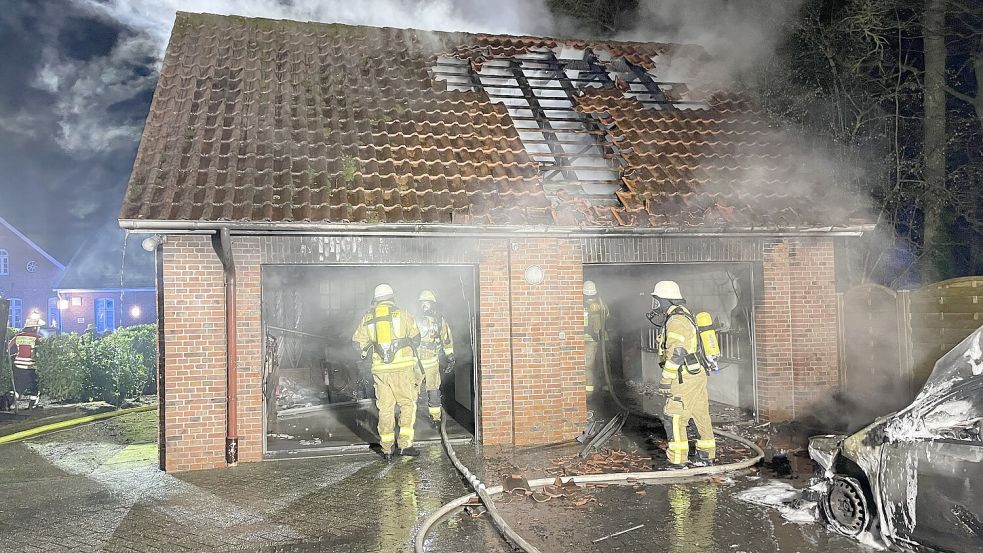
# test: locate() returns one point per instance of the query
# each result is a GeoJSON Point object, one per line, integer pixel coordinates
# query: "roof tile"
{"type": "Point", "coordinates": [259, 120]}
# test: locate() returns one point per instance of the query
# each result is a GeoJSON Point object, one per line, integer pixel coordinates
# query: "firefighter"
{"type": "Point", "coordinates": [390, 336]}
{"type": "Point", "coordinates": [435, 340]}
{"type": "Point", "coordinates": [22, 349]}
{"type": "Point", "coordinates": [684, 376]}
{"type": "Point", "coordinates": [595, 330]}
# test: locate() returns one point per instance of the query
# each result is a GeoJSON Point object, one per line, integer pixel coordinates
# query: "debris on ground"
{"type": "Point", "coordinates": [291, 395]}
{"type": "Point", "coordinates": [314, 441]}
{"type": "Point", "coordinates": [516, 486]}
{"type": "Point", "coordinates": [601, 462]}
{"type": "Point", "coordinates": [281, 436]}
{"type": "Point", "coordinates": [785, 498]}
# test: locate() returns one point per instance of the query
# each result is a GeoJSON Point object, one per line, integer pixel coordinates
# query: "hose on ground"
{"type": "Point", "coordinates": [62, 425]}
{"type": "Point", "coordinates": [758, 453]}
{"type": "Point", "coordinates": [483, 495]}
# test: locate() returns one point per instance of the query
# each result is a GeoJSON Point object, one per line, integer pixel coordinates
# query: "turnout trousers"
{"type": "Point", "coordinates": [392, 388]}
{"type": "Point", "coordinates": [430, 359]}
{"type": "Point", "coordinates": [689, 400]}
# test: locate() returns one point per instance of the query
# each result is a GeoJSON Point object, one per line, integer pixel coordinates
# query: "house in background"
{"type": "Point", "coordinates": [100, 288]}
{"type": "Point", "coordinates": [27, 276]}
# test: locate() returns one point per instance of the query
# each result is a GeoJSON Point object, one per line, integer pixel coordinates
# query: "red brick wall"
{"type": "Point", "coordinates": [193, 393]}
{"type": "Point", "coordinates": [548, 401]}
{"type": "Point", "coordinates": [33, 289]}
{"type": "Point", "coordinates": [495, 344]}
{"type": "Point", "coordinates": [75, 318]}
{"type": "Point", "coordinates": [246, 252]}
{"type": "Point", "coordinates": [795, 328]}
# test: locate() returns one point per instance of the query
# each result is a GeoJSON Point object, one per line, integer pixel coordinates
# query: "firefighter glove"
{"type": "Point", "coordinates": [679, 356]}
{"type": "Point", "coordinates": [449, 367]}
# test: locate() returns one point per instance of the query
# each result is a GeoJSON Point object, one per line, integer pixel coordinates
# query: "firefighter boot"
{"type": "Point", "coordinates": [409, 451]}
{"type": "Point", "coordinates": [701, 459]}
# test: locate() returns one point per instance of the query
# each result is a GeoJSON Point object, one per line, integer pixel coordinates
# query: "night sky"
{"type": "Point", "coordinates": [71, 111]}
{"type": "Point", "coordinates": [78, 77]}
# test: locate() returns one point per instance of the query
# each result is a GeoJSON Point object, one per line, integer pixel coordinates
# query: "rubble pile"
{"type": "Point", "coordinates": [517, 487]}
{"type": "Point", "coordinates": [601, 462]}
{"type": "Point", "coordinates": [291, 395]}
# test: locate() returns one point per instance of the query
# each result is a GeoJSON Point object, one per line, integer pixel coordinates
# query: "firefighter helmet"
{"type": "Point", "coordinates": [667, 290]}
{"type": "Point", "coordinates": [34, 320]}
{"type": "Point", "coordinates": [383, 292]}
{"type": "Point", "coordinates": [427, 295]}
{"type": "Point", "coordinates": [590, 289]}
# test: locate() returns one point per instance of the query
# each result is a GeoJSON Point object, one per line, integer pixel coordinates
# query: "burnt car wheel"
{"type": "Point", "coordinates": [845, 506]}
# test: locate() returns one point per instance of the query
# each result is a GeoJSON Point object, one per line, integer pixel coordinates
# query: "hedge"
{"type": "Point", "coordinates": [113, 367]}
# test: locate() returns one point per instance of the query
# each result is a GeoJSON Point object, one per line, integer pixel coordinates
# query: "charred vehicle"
{"type": "Point", "coordinates": [917, 474]}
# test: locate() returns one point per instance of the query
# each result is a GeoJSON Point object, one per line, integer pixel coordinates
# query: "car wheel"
{"type": "Point", "coordinates": [845, 506]}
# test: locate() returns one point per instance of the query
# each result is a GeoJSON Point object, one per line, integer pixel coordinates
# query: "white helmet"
{"type": "Point", "coordinates": [590, 289]}
{"type": "Point", "coordinates": [427, 295]}
{"type": "Point", "coordinates": [667, 290]}
{"type": "Point", "coordinates": [383, 292]}
{"type": "Point", "coordinates": [34, 320]}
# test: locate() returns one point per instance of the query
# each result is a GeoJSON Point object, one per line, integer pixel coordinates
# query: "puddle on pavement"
{"type": "Point", "coordinates": [681, 517]}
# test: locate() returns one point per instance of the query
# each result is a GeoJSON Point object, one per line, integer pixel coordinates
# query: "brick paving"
{"type": "Point", "coordinates": [97, 488]}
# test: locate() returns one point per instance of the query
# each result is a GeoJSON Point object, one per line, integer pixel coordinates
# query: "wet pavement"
{"type": "Point", "coordinates": [701, 516]}
{"type": "Point", "coordinates": [96, 488]}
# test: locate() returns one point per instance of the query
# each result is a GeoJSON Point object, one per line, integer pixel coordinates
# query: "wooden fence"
{"type": "Point", "coordinates": [896, 337]}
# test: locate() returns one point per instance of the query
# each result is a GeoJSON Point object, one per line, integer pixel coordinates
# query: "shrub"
{"type": "Point", "coordinates": [63, 368]}
{"type": "Point", "coordinates": [112, 368]}
{"type": "Point", "coordinates": [5, 374]}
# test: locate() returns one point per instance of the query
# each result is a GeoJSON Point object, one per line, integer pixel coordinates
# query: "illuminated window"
{"type": "Point", "coordinates": [16, 318]}
{"type": "Point", "coordinates": [105, 315]}
{"type": "Point", "coordinates": [54, 313]}
{"type": "Point", "coordinates": [4, 262]}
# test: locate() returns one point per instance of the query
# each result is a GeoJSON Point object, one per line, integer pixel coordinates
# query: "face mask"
{"type": "Point", "coordinates": [658, 315]}
{"type": "Point", "coordinates": [428, 307]}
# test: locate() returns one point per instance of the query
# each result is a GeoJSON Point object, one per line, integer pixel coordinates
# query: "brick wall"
{"type": "Point", "coordinates": [495, 344]}
{"type": "Point", "coordinates": [249, 345]}
{"type": "Point", "coordinates": [548, 401]}
{"type": "Point", "coordinates": [193, 321]}
{"type": "Point", "coordinates": [795, 328]}
{"type": "Point", "coordinates": [32, 289]}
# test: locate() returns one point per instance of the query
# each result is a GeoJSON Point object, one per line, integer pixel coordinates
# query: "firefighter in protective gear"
{"type": "Point", "coordinates": [390, 336]}
{"type": "Point", "coordinates": [684, 376]}
{"type": "Point", "coordinates": [22, 349]}
{"type": "Point", "coordinates": [595, 330]}
{"type": "Point", "coordinates": [435, 340]}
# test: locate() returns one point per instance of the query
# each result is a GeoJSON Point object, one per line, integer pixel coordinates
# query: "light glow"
{"type": "Point", "coordinates": [135, 311]}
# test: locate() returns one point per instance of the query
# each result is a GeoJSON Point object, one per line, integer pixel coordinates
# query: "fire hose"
{"type": "Point", "coordinates": [486, 494]}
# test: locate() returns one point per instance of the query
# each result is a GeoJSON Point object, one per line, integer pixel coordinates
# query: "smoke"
{"type": "Point", "coordinates": [738, 36]}
{"type": "Point", "coordinates": [91, 92]}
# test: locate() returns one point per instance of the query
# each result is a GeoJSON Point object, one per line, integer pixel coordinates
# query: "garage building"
{"type": "Point", "coordinates": [290, 167]}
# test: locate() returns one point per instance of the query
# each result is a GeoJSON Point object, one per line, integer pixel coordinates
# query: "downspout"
{"type": "Point", "coordinates": [222, 243]}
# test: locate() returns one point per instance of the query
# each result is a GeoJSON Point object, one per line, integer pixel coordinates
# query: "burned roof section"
{"type": "Point", "coordinates": [258, 120]}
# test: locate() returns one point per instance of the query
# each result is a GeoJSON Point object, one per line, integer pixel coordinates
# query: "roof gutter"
{"type": "Point", "coordinates": [222, 244]}
{"type": "Point", "coordinates": [445, 229]}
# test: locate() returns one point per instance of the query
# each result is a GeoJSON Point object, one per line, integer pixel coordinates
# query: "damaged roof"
{"type": "Point", "coordinates": [263, 121]}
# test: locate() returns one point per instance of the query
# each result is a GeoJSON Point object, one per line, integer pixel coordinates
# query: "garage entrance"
{"type": "Point", "coordinates": [318, 397]}
{"type": "Point", "coordinates": [725, 290]}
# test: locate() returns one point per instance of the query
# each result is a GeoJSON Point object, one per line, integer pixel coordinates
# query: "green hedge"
{"type": "Point", "coordinates": [113, 367]}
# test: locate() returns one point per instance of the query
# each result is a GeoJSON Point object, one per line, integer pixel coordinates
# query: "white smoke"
{"type": "Point", "coordinates": [88, 89]}
{"type": "Point", "coordinates": [738, 35]}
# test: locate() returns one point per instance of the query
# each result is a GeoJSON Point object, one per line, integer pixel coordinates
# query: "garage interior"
{"type": "Point", "coordinates": [318, 396]}
{"type": "Point", "coordinates": [725, 290]}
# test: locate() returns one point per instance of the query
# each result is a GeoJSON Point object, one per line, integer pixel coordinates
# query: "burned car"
{"type": "Point", "coordinates": [915, 475]}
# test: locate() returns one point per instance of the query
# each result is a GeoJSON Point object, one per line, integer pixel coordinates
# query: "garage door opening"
{"type": "Point", "coordinates": [318, 396]}
{"type": "Point", "coordinates": [725, 290]}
